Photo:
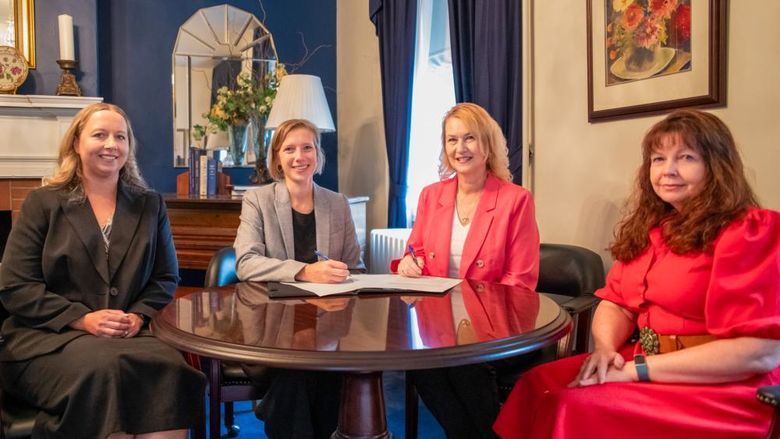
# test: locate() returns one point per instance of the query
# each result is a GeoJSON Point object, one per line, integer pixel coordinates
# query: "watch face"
{"type": "Point", "coordinates": [13, 69]}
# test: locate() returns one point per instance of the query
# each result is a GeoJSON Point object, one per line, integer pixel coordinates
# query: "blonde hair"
{"type": "Point", "coordinates": [69, 174]}
{"type": "Point", "coordinates": [491, 139]}
{"type": "Point", "coordinates": [281, 133]}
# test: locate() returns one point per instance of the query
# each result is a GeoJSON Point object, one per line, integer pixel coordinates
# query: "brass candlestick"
{"type": "Point", "coordinates": [68, 85]}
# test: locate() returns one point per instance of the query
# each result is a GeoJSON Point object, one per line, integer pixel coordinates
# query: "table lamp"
{"type": "Point", "coordinates": [301, 97]}
{"type": "Point", "coordinates": [298, 97]}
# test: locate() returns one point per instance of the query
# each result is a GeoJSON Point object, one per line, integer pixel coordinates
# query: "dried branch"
{"type": "Point", "coordinates": [292, 67]}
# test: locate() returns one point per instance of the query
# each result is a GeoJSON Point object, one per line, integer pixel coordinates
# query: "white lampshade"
{"type": "Point", "coordinates": [301, 97]}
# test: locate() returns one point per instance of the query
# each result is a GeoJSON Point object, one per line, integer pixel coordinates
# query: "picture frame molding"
{"type": "Point", "coordinates": [716, 94]}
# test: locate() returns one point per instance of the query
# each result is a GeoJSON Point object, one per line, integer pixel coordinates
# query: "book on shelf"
{"type": "Point", "coordinates": [239, 190]}
{"type": "Point", "coordinates": [203, 175]}
{"type": "Point", "coordinates": [211, 178]}
{"type": "Point", "coordinates": [195, 166]}
{"type": "Point", "coordinates": [191, 169]}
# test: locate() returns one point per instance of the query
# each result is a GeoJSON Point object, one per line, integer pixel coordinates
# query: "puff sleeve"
{"type": "Point", "coordinates": [743, 298]}
{"type": "Point", "coordinates": [613, 290]}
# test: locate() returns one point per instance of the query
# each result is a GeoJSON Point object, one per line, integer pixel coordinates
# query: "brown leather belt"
{"type": "Point", "coordinates": [671, 343]}
{"type": "Point", "coordinates": [653, 343]}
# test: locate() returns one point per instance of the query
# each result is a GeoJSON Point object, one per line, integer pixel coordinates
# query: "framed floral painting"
{"type": "Point", "coordinates": [651, 56]}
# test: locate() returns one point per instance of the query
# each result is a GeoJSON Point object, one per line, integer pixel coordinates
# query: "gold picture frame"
{"type": "Point", "coordinates": [698, 80]}
{"type": "Point", "coordinates": [23, 20]}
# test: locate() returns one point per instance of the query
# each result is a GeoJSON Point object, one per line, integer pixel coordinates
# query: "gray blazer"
{"type": "Point", "coordinates": [265, 249]}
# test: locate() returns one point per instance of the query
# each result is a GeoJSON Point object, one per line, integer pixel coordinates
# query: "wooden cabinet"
{"type": "Point", "coordinates": [201, 226]}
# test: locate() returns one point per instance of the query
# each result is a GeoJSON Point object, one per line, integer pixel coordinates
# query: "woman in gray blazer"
{"type": "Point", "coordinates": [89, 260]}
{"type": "Point", "coordinates": [285, 228]}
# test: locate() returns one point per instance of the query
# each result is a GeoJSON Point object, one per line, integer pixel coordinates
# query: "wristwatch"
{"type": "Point", "coordinates": [641, 368]}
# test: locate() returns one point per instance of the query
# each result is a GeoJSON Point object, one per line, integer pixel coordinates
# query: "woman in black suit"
{"type": "Point", "coordinates": [88, 262]}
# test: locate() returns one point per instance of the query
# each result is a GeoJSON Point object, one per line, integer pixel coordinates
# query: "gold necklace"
{"type": "Point", "coordinates": [464, 219]}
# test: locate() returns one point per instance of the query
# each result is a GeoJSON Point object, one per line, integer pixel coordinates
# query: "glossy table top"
{"type": "Point", "coordinates": [474, 322]}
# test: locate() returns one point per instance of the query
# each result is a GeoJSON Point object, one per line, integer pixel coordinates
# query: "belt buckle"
{"type": "Point", "coordinates": [649, 341]}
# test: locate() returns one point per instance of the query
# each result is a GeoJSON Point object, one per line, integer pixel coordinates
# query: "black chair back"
{"type": "Point", "coordinates": [569, 270]}
{"type": "Point", "coordinates": [227, 381]}
{"type": "Point", "coordinates": [222, 268]}
{"type": "Point", "coordinates": [569, 275]}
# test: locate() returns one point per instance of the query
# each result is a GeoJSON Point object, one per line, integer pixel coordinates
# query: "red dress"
{"type": "Point", "coordinates": [733, 292]}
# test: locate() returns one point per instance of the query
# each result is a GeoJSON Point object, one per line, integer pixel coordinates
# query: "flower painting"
{"type": "Point", "coordinates": [646, 38]}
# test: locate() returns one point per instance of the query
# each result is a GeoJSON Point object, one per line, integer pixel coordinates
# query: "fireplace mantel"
{"type": "Point", "coordinates": [32, 127]}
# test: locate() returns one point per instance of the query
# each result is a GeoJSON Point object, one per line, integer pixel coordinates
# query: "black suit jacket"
{"type": "Point", "coordinates": [55, 268]}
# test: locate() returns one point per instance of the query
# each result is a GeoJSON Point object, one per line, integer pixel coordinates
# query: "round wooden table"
{"type": "Point", "coordinates": [363, 335]}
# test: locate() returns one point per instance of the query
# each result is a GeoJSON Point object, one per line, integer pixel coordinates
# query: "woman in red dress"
{"type": "Point", "coordinates": [698, 272]}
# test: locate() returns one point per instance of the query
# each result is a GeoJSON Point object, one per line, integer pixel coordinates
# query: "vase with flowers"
{"type": "Point", "coordinates": [244, 109]}
{"type": "Point", "coordinates": [644, 35]}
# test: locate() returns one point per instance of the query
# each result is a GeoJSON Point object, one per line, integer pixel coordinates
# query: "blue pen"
{"type": "Point", "coordinates": [325, 258]}
{"type": "Point", "coordinates": [414, 256]}
{"type": "Point", "coordinates": [320, 255]}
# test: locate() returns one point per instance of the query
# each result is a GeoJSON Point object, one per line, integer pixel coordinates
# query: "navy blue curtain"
{"type": "Point", "coordinates": [487, 62]}
{"type": "Point", "coordinates": [395, 22]}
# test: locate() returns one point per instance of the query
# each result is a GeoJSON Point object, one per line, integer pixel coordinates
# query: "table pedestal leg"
{"type": "Point", "coordinates": [362, 410]}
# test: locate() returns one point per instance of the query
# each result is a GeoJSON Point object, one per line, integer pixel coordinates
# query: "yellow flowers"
{"type": "Point", "coordinates": [621, 5]}
{"type": "Point", "coordinates": [248, 99]}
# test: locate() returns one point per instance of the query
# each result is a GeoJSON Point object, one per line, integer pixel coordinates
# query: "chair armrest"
{"type": "Point", "coordinates": [581, 304]}
{"type": "Point", "coordinates": [770, 395]}
{"type": "Point", "coordinates": [574, 305]}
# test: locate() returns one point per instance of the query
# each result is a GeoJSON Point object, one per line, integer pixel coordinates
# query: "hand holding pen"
{"type": "Point", "coordinates": [326, 271]}
{"type": "Point", "coordinates": [411, 265]}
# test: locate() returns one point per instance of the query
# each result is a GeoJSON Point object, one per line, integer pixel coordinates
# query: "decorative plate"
{"type": "Point", "coordinates": [663, 57]}
{"type": "Point", "coordinates": [13, 69]}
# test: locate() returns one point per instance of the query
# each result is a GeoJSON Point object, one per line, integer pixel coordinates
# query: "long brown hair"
{"type": "Point", "coordinates": [490, 136]}
{"type": "Point", "coordinates": [69, 175]}
{"type": "Point", "coordinates": [725, 197]}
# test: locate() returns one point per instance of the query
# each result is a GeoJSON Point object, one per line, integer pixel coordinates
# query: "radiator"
{"type": "Point", "coordinates": [386, 245]}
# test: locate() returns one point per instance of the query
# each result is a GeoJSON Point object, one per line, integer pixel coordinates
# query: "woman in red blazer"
{"type": "Point", "coordinates": [474, 224]}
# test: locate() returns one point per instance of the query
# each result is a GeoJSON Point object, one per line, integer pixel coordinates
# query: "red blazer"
{"type": "Point", "coordinates": [501, 246]}
{"type": "Point", "coordinates": [494, 313]}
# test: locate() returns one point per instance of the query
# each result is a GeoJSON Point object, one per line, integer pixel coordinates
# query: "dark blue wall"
{"type": "Point", "coordinates": [124, 50]}
{"type": "Point", "coordinates": [136, 39]}
{"type": "Point", "coordinates": [44, 79]}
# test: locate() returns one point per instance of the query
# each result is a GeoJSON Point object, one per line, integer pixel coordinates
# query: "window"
{"type": "Point", "coordinates": [433, 93]}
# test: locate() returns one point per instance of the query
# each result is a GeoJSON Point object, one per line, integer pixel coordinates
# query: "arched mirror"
{"type": "Point", "coordinates": [223, 73]}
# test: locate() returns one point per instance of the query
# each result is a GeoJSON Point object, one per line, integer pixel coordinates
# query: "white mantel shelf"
{"type": "Point", "coordinates": [43, 105]}
{"type": "Point", "coordinates": [32, 127]}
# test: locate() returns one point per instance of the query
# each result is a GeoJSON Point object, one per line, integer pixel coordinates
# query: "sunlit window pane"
{"type": "Point", "coordinates": [432, 95]}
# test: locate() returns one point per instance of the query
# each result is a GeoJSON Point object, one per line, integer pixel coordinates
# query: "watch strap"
{"type": "Point", "coordinates": [641, 368]}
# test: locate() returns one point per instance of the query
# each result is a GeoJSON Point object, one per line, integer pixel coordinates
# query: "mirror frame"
{"type": "Point", "coordinates": [185, 134]}
{"type": "Point", "coordinates": [24, 27]}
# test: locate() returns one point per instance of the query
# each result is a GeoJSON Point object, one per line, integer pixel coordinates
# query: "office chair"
{"type": "Point", "coordinates": [16, 417]}
{"type": "Point", "coordinates": [227, 381]}
{"type": "Point", "coordinates": [567, 274]}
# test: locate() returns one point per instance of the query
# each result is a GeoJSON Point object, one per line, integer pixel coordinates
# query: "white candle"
{"type": "Point", "coordinates": [66, 37]}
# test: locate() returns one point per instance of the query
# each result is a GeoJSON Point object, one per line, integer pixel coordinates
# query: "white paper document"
{"type": "Point", "coordinates": [390, 282]}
